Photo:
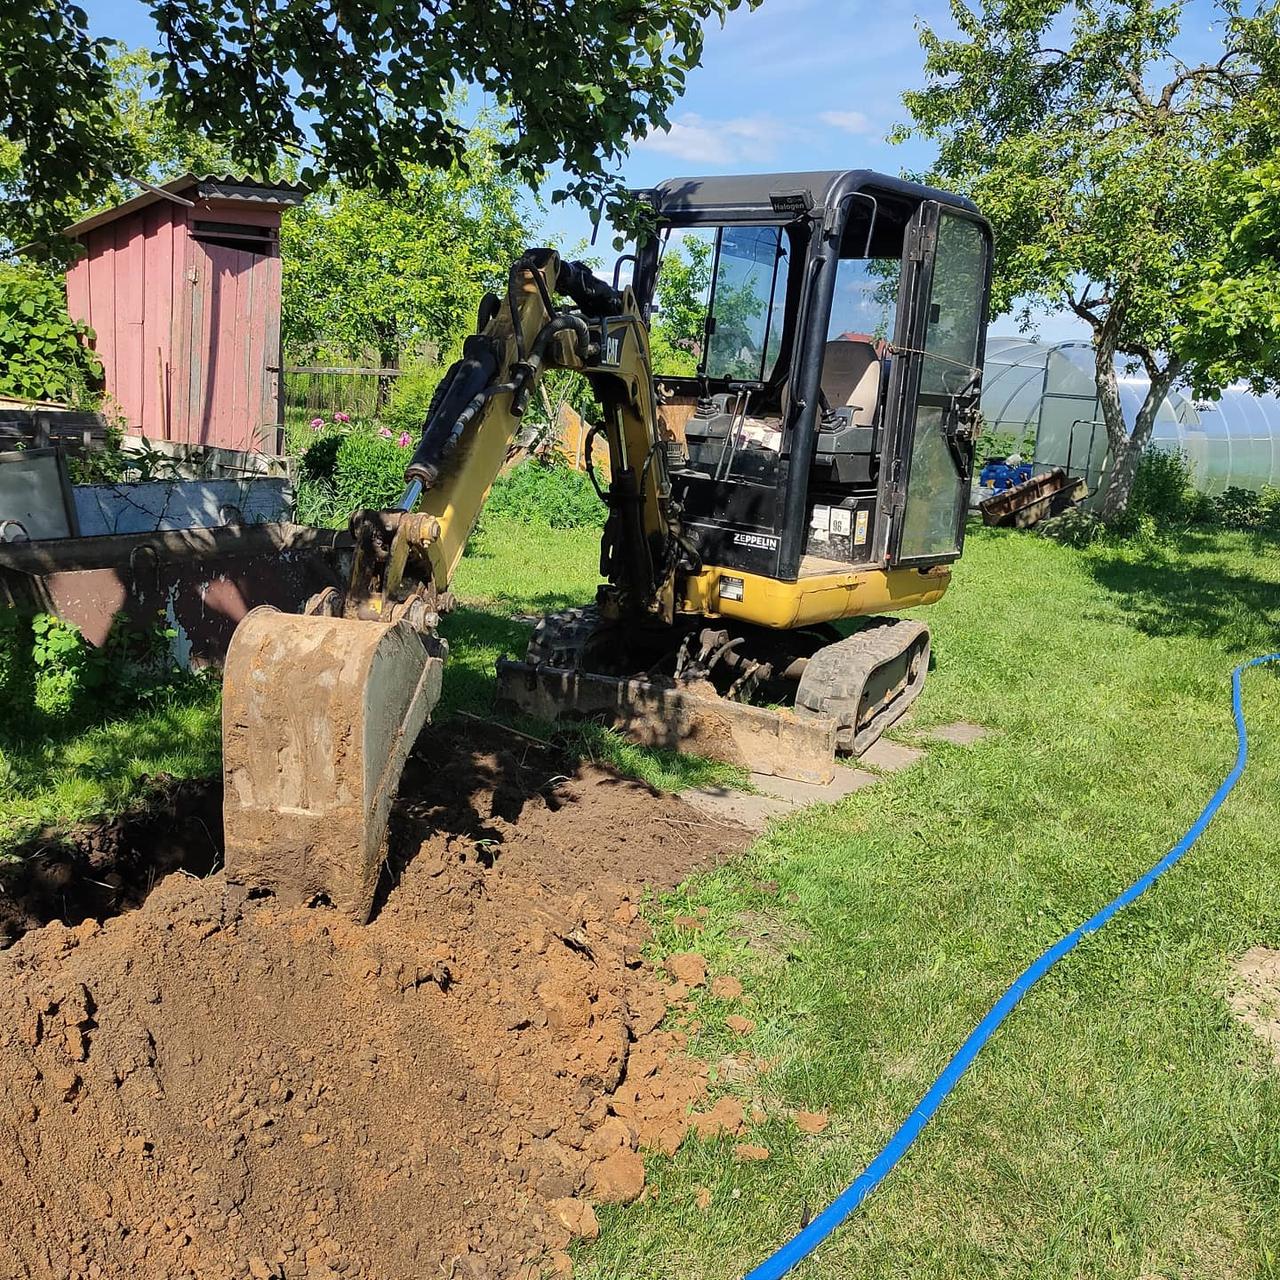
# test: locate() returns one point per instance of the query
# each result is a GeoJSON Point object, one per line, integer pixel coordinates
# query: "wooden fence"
{"type": "Point", "coordinates": [320, 391]}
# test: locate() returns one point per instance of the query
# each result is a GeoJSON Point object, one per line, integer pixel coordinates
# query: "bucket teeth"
{"type": "Point", "coordinates": [319, 715]}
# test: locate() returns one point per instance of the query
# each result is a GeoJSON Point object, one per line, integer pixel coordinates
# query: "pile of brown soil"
{"type": "Point", "coordinates": [205, 1088]}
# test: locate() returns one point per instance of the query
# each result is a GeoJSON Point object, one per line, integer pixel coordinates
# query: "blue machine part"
{"type": "Point", "coordinates": [998, 475]}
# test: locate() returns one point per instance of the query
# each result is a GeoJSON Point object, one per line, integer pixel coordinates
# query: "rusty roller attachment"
{"type": "Point", "coordinates": [319, 715]}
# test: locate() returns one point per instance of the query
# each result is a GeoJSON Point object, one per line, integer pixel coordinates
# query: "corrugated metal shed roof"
{"type": "Point", "coordinates": [199, 187]}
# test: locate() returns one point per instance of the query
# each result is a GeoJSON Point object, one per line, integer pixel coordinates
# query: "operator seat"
{"type": "Point", "coordinates": [851, 378]}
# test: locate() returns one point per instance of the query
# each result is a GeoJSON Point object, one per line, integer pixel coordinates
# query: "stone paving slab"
{"type": "Point", "coordinates": [962, 734]}
{"type": "Point", "coordinates": [846, 781]}
{"type": "Point", "coordinates": [775, 797]}
{"type": "Point", "coordinates": [889, 757]}
{"type": "Point", "coordinates": [727, 805]}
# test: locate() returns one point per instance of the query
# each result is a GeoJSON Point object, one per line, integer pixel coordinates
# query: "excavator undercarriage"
{"type": "Point", "coordinates": [764, 513]}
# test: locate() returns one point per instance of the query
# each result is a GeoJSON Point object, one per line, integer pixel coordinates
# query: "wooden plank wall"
{"type": "Point", "coordinates": [123, 287]}
{"type": "Point", "coordinates": [188, 332]}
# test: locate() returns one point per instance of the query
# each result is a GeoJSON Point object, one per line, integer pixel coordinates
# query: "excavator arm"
{"type": "Point", "coordinates": [320, 710]}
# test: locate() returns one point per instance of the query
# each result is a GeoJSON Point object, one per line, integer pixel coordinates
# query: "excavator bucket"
{"type": "Point", "coordinates": [319, 715]}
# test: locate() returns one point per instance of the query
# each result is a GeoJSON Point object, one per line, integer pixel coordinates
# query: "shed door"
{"type": "Point", "coordinates": [943, 380]}
{"type": "Point", "coordinates": [235, 336]}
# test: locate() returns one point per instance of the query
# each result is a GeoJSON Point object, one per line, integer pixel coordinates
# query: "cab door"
{"type": "Point", "coordinates": [938, 352]}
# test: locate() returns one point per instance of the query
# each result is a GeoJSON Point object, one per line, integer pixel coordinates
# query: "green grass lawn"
{"type": "Point", "coordinates": [97, 766]}
{"type": "Point", "coordinates": [1122, 1123]}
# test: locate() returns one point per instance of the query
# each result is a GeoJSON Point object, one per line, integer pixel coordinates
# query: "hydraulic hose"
{"type": "Point", "coordinates": [801, 1245]}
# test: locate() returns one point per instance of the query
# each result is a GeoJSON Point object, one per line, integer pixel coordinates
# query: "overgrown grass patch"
{"type": "Point", "coordinates": [97, 767]}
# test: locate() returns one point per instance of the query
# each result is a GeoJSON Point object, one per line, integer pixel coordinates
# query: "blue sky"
{"type": "Point", "coordinates": [795, 84]}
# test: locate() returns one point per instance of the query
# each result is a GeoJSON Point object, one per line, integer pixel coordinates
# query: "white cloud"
{"type": "Point", "coordinates": [698, 140]}
{"type": "Point", "coordinates": [849, 122]}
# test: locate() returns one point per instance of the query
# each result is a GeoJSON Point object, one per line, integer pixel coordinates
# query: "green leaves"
{"type": "Point", "coordinates": [65, 139]}
{"type": "Point", "coordinates": [44, 354]}
{"type": "Point", "coordinates": [1230, 328]}
{"type": "Point", "coordinates": [574, 83]}
{"type": "Point", "coordinates": [384, 277]}
{"type": "Point", "coordinates": [1102, 161]}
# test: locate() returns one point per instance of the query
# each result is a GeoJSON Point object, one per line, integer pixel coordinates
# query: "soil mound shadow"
{"type": "Point", "coordinates": [200, 1088]}
{"type": "Point", "coordinates": [99, 870]}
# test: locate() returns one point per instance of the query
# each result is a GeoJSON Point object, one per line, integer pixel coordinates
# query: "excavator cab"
{"type": "Point", "coordinates": [790, 465]}
{"type": "Point", "coordinates": [826, 421]}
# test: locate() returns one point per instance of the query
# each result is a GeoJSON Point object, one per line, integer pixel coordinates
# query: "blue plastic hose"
{"type": "Point", "coordinates": [801, 1245]}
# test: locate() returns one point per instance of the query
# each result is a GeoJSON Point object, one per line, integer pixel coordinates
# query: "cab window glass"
{"type": "Point", "coordinates": [720, 299]}
{"type": "Point", "coordinates": [747, 301]}
{"type": "Point", "coordinates": [681, 293]}
{"type": "Point", "coordinates": [865, 303]}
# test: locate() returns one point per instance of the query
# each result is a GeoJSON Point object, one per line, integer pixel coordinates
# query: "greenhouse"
{"type": "Point", "coordinates": [1038, 399]}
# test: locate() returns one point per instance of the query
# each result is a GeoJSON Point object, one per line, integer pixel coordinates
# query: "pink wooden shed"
{"type": "Point", "coordinates": [182, 288]}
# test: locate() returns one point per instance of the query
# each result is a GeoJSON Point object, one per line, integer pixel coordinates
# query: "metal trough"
{"type": "Point", "coordinates": [203, 580]}
{"type": "Point", "coordinates": [1045, 495]}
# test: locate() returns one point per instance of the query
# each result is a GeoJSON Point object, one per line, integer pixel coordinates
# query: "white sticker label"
{"type": "Point", "coordinates": [841, 519]}
{"type": "Point", "coordinates": [821, 518]}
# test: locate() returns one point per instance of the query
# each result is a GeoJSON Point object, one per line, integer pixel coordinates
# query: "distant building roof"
{"type": "Point", "coordinates": [190, 187]}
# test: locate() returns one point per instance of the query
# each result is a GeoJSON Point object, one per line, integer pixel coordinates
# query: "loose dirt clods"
{"type": "Point", "coordinates": [217, 1089]}
{"type": "Point", "coordinates": [811, 1122]}
{"type": "Point", "coordinates": [688, 967]}
{"type": "Point", "coordinates": [725, 987]}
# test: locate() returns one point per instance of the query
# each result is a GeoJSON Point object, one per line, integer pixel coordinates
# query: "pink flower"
{"type": "Point", "coordinates": [342, 417]}
{"type": "Point", "coordinates": [385, 432]}
{"type": "Point", "coordinates": [404, 440]}
{"type": "Point", "coordinates": [317, 424]}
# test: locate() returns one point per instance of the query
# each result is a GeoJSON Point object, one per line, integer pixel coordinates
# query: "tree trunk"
{"type": "Point", "coordinates": [388, 358]}
{"type": "Point", "coordinates": [1105, 381]}
{"type": "Point", "coordinates": [1127, 458]}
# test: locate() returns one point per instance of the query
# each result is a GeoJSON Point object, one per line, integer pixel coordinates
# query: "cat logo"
{"type": "Point", "coordinates": [611, 352]}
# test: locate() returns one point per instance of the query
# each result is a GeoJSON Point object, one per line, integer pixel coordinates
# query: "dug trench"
{"type": "Point", "coordinates": [212, 1088]}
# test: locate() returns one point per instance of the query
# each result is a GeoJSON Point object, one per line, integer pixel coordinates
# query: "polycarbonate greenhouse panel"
{"type": "Point", "coordinates": [1046, 389]}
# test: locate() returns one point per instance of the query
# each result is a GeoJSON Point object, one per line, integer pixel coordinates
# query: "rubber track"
{"type": "Point", "coordinates": [833, 681]}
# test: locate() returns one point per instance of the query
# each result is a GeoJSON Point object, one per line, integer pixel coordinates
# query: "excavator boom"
{"type": "Point", "coordinates": [320, 710]}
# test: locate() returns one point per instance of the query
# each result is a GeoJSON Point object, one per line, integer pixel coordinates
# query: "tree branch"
{"type": "Point", "coordinates": [1205, 71]}
{"type": "Point", "coordinates": [1084, 309]}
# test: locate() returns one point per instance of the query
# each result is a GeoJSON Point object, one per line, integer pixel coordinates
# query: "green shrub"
{"type": "Point", "coordinates": [406, 408]}
{"type": "Point", "coordinates": [1237, 508]}
{"type": "Point", "coordinates": [1163, 488]}
{"type": "Point", "coordinates": [50, 673]}
{"type": "Point", "coordinates": [1073, 528]}
{"type": "Point", "coordinates": [340, 474]}
{"type": "Point", "coordinates": [549, 493]}
{"type": "Point", "coordinates": [1001, 444]}
{"type": "Point", "coordinates": [369, 471]}
{"type": "Point", "coordinates": [1200, 508]}
{"type": "Point", "coordinates": [65, 673]}
{"type": "Point", "coordinates": [1136, 526]}
{"type": "Point", "coordinates": [44, 354]}
{"type": "Point", "coordinates": [17, 672]}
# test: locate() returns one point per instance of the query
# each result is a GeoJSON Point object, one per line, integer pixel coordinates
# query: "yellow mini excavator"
{"type": "Point", "coordinates": [809, 463]}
